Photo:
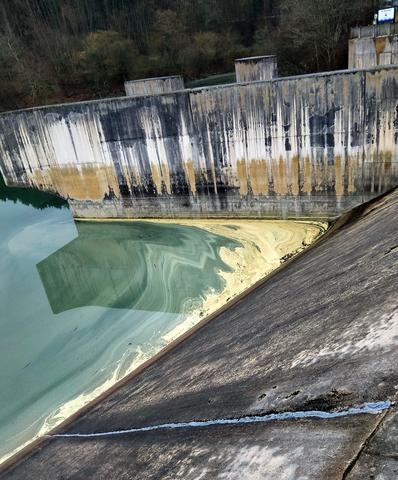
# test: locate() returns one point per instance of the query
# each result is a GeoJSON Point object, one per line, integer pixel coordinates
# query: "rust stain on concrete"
{"type": "Point", "coordinates": [164, 168]}
{"type": "Point", "coordinates": [161, 178]}
{"type": "Point", "coordinates": [380, 43]}
{"type": "Point", "coordinates": [279, 174]}
{"type": "Point", "coordinates": [242, 175]}
{"type": "Point", "coordinates": [84, 183]}
{"type": "Point", "coordinates": [338, 183]}
{"type": "Point", "coordinates": [157, 178]}
{"type": "Point", "coordinates": [258, 177]}
{"type": "Point", "coordinates": [189, 170]}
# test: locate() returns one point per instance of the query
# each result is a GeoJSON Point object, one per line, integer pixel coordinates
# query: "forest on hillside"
{"type": "Point", "coordinates": [63, 50]}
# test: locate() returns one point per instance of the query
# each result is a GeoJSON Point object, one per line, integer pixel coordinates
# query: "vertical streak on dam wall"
{"type": "Point", "coordinates": [314, 145]}
{"type": "Point", "coordinates": [251, 69]}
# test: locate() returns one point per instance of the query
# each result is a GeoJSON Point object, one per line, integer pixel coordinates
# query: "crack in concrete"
{"type": "Point", "coordinates": [392, 249]}
{"type": "Point", "coordinates": [374, 408]}
{"type": "Point", "coordinates": [364, 445]}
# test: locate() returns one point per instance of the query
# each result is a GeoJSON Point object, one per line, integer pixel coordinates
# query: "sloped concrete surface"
{"type": "Point", "coordinates": [379, 460]}
{"type": "Point", "coordinates": [292, 451]}
{"type": "Point", "coordinates": [320, 334]}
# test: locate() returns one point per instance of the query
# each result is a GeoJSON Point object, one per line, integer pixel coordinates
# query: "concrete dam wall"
{"type": "Point", "coordinates": [373, 45]}
{"type": "Point", "coordinates": [308, 146]}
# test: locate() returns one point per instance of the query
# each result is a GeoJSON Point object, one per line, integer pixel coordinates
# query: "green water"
{"type": "Point", "coordinates": [221, 79]}
{"type": "Point", "coordinates": [81, 303]}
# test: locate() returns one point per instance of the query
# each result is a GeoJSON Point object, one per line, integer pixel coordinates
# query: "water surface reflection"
{"type": "Point", "coordinates": [141, 265]}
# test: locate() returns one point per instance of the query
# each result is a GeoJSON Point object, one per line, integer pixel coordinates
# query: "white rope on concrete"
{"type": "Point", "coordinates": [366, 408]}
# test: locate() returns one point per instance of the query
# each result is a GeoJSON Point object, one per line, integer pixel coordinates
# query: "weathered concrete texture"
{"type": "Point", "coordinates": [293, 147]}
{"type": "Point", "coordinates": [322, 333]}
{"type": "Point", "coordinates": [369, 52]}
{"type": "Point", "coordinates": [154, 86]}
{"type": "Point", "coordinates": [373, 45]}
{"type": "Point", "coordinates": [251, 69]}
{"type": "Point", "coordinates": [290, 451]}
{"type": "Point", "coordinates": [380, 30]}
{"type": "Point", "coordinates": [379, 460]}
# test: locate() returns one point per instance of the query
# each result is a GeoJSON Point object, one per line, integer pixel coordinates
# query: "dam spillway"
{"type": "Point", "coordinates": [296, 147]}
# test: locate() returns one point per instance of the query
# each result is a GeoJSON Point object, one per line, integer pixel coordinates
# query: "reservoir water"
{"type": "Point", "coordinates": [83, 303]}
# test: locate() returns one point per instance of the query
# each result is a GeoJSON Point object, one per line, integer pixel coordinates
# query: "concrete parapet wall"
{"type": "Point", "coordinates": [253, 69]}
{"type": "Point", "coordinates": [309, 146]}
{"type": "Point", "coordinates": [154, 86]}
{"type": "Point", "coordinates": [380, 30]}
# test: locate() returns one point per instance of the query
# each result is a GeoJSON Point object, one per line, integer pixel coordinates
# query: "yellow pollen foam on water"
{"type": "Point", "coordinates": [265, 246]}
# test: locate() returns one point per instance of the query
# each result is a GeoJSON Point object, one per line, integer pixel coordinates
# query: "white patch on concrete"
{"type": "Point", "coordinates": [263, 463]}
{"type": "Point", "coordinates": [202, 475]}
{"type": "Point", "coordinates": [381, 335]}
